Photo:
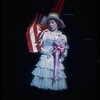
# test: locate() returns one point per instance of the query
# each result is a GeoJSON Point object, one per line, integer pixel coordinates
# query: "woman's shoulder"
{"type": "Point", "coordinates": [63, 36]}
{"type": "Point", "coordinates": [45, 31]}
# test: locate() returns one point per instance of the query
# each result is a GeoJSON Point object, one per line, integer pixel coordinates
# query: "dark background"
{"type": "Point", "coordinates": [82, 61]}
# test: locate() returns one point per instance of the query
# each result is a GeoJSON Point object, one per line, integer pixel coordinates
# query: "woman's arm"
{"type": "Point", "coordinates": [65, 53]}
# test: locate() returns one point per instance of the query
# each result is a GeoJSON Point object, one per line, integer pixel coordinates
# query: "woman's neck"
{"type": "Point", "coordinates": [56, 30]}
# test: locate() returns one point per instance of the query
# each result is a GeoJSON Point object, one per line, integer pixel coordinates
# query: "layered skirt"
{"type": "Point", "coordinates": [44, 75]}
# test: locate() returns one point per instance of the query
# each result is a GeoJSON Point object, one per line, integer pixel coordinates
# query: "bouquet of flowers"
{"type": "Point", "coordinates": [59, 47]}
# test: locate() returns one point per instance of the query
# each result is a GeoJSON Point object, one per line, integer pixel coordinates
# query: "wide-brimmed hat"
{"type": "Point", "coordinates": [55, 17]}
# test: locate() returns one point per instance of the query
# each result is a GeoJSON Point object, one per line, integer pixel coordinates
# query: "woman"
{"type": "Point", "coordinates": [49, 71]}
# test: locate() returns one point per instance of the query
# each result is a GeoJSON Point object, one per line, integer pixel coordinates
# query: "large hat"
{"type": "Point", "coordinates": [56, 18]}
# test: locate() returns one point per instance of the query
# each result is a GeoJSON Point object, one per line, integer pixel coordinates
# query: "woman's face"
{"type": "Point", "coordinates": [52, 25]}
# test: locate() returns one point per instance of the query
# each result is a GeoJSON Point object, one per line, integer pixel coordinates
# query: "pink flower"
{"type": "Point", "coordinates": [59, 45]}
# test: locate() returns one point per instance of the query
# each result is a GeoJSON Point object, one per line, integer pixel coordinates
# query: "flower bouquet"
{"type": "Point", "coordinates": [59, 47]}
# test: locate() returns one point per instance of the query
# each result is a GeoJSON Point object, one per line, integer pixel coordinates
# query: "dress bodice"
{"type": "Point", "coordinates": [49, 38]}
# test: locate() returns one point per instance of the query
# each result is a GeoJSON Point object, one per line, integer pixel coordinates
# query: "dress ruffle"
{"type": "Point", "coordinates": [44, 75]}
{"type": "Point", "coordinates": [43, 72]}
{"type": "Point", "coordinates": [48, 64]}
{"type": "Point", "coordinates": [48, 83]}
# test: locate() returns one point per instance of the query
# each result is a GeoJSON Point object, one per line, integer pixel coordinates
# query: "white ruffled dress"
{"type": "Point", "coordinates": [44, 69]}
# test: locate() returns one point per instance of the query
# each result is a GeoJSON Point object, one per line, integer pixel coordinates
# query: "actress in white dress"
{"type": "Point", "coordinates": [49, 71]}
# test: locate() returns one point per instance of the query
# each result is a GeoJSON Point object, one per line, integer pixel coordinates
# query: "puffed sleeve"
{"type": "Point", "coordinates": [42, 37]}
{"type": "Point", "coordinates": [43, 50]}
{"type": "Point", "coordinates": [65, 53]}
